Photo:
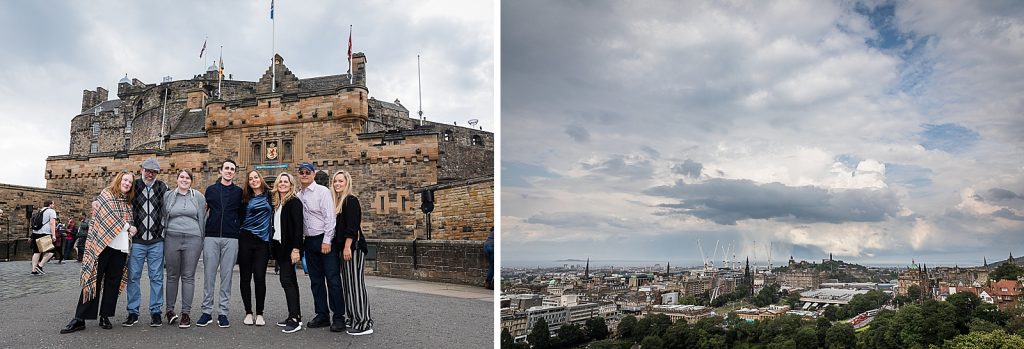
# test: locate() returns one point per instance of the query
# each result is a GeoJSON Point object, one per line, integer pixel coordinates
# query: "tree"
{"type": "Point", "coordinates": [610, 344]}
{"type": "Point", "coordinates": [652, 342]}
{"type": "Point", "coordinates": [939, 322]}
{"type": "Point", "coordinates": [821, 327]}
{"type": "Point", "coordinates": [570, 335]}
{"type": "Point", "coordinates": [997, 339]}
{"type": "Point", "coordinates": [540, 335]}
{"type": "Point", "coordinates": [792, 298]}
{"type": "Point", "coordinates": [688, 300]}
{"type": "Point", "coordinates": [768, 295]}
{"type": "Point", "coordinates": [964, 304]}
{"type": "Point", "coordinates": [833, 313]}
{"type": "Point", "coordinates": [627, 327]}
{"type": "Point", "coordinates": [506, 340]}
{"type": "Point", "coordinates": [806, 337]}
{"type": "Point", "coordinates": [979, 325]}
{"type": "Point", "coordinates": [841, 336]}
{"type": "Point", "coordinates": [680, 335]}
{"type": "Point", "coordinates": [914, 292]}
{"type": "Point", "coordinates": [1006, 271]}
{"type": "Point", "coordinates": [596, 328]}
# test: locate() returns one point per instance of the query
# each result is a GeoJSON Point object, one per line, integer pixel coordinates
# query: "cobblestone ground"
{"type": "Point", "coordinates": [407, 314]}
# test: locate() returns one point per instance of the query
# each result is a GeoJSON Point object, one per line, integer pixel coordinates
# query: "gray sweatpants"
{"type": "Point", "coordinates": [181, 257]}
{"type": "Point", "coordinates": [218, 253]}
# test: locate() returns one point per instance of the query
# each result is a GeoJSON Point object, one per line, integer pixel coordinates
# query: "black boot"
{"type": "Point", "coordinates": [105, 323]}
{"type": "Point", "coordinates": [73, 326]}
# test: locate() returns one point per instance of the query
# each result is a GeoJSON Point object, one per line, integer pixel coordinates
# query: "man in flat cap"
{"type": "Point", "coordinates": [147, 245]}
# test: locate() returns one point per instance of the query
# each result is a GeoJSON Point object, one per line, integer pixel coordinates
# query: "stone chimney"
{"type": "Point", "coordinates": [92, 98]}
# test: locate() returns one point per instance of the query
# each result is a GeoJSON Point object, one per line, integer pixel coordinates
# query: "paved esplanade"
{"type": "Point", "coordinates": [406, 314]}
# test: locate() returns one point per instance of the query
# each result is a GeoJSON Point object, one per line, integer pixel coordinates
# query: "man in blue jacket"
{"type": "Point", "coordinates": [220, 246]}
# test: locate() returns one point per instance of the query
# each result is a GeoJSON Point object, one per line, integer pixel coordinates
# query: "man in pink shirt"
{"type": "Point", "coordinates": [321, 250]}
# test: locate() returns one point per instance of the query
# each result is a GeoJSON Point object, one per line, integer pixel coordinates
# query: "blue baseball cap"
{"type": "Point", "coordinates": [307, 166]}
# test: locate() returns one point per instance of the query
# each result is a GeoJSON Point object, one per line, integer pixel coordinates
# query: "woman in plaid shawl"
{"type": "Point", "coordinates": [103, 268]}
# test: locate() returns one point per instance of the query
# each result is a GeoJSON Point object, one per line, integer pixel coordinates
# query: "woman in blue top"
{"type": "Point", "coordinates": [254, 245]}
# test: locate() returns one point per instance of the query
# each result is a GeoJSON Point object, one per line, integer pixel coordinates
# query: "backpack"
{"type": "Point", "coordinates": [37, 219]}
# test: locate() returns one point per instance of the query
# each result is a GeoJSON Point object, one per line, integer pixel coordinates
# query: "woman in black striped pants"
{"type": "Point", "coordinates": [349, 215]}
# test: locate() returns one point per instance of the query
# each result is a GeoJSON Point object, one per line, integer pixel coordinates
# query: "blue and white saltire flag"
{"type": "Point", "coordinates": [271, 9]}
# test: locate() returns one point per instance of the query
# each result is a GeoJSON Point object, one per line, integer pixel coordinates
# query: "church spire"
{"type": "Point", "coordinates": [586, 273]}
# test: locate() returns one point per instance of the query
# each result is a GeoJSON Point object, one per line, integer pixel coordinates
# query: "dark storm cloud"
{"type": "Point", "coordinates": [1003, 194]}
{"type": "Point", "coordinates": [578, 133]}
{"type": "Point", "coordinates": [726, 201]}
{"type": "Point", "coordinates": [618, 165]}
{"type": "Point", "coordinates": [688, 168]}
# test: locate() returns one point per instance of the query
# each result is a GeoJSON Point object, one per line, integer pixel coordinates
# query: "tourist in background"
{"type": "Point", "coordinates": [69, 238]}
{"type": "Point", "coordinates": [185, 214]}
{"type": "Point", "coordinates": [58, 241]}
{"type": "Point", "coordinates": [348, 215]}
{"type": "Point", "coordinates": [104, 270]}
{"type": "Point", "coordinates": [48, 214]}
{"type": "Point", "coordinates": [489, 252]}
{"type": "Point", "coordinates": [81, 233]}
{"type": "Point", "coordinates": [220, 246]}
{"type": "Point", "coordinates": [322, 258]}
{"type": "Point", "coordinates": [254, 246]}
{"type": "Point", "coordinates": [287, 246]}
{"type": "Point", "coordinates": [147, 245]}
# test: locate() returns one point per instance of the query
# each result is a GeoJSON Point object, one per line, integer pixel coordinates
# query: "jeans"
{"type": "Point", "coordinates": [325, 279]}
{"type": "Point", "coordinates": [153, 256]}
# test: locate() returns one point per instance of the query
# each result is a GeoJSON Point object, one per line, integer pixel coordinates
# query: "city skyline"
{"type": "Point", "coordinates": [878, 132]}
{"type": "Point", "coordinates": [55, 50]}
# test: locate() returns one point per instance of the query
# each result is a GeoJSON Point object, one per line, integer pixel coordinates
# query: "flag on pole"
{"type": "Point", "coordinates": [271, 9]}
{"type": "Point", "coordinates": [203, 49]}
{"type": "Point", "coordinates": [221, 68]}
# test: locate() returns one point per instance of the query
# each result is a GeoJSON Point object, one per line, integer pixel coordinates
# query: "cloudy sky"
{"type": "Point", "coordinates": [880, 132]}
{"type": "Point", "coordinates": [52, 50]}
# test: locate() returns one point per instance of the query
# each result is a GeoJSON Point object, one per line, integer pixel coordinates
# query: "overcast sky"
{"type": "Point", "coordinates": [52, 50]}
{"type": "Point", "coordinates": [880, 132]}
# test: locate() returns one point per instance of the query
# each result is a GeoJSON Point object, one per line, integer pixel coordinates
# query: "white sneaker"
{"type": "Point", "coordinates": [368, 331]}
{"type": "Point", "coordinates": [260, 321]}
{"type": "Point", "coordinates": [248, 319]}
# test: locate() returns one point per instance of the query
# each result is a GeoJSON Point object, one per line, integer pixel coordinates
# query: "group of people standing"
{"type": "Point", "coordinates": [170, 228]}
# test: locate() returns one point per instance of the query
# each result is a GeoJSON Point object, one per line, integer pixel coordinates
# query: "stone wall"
{"type": "Point", "coordinates": [463, 210]}
{"type": "Point", "coordinates": [462, 162]}
{"type": "Point", "coordinates": [457, 262]}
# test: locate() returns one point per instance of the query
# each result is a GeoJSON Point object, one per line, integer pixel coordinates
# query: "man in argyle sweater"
{"type": "Point", "coordinates": [147, 245]}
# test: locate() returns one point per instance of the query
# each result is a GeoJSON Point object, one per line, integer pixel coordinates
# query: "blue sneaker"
{"type": "Point", "coordinates": [204, 320]}
{"type": "Point", "coordinates": [222, 321]}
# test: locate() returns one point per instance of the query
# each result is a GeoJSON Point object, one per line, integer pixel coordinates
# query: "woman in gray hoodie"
{"type": "Point", "coordinates": [185, 213]}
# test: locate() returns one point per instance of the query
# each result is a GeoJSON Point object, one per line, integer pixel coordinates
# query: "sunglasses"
{"type": "Point", "coordinates": [305, 173]}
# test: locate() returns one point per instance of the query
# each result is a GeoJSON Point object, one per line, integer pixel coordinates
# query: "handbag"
{"type": "Point", "coordinates": [45, 243]}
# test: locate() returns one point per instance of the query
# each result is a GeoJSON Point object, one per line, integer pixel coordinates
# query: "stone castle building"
{"type": "Point", "coordinates": [330, 121]}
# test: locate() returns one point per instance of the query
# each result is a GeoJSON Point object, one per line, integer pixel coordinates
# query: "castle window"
{"type": "Point", "coordinates": [94, 147]}
{"type": "Point", "coordinates": [128, 127]}
{"type": "Point", "coordinates": [448, 135]}
{"type": "Point", "coordinates": [477, 140]}
{"type": "Point", "coordinates": [255, 158]}
{"type": "Point", "coordinates": [286, 151]}
{"type": "Point", "coordinates": [95, 129]}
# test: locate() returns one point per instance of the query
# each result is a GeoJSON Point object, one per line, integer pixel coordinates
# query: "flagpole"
{"type": "Point", "coordinates": [220, 72]}
{"type": "Point", "coordinates": [273, 65]}
{"type": "Point", "coordinates": [351, 72]}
